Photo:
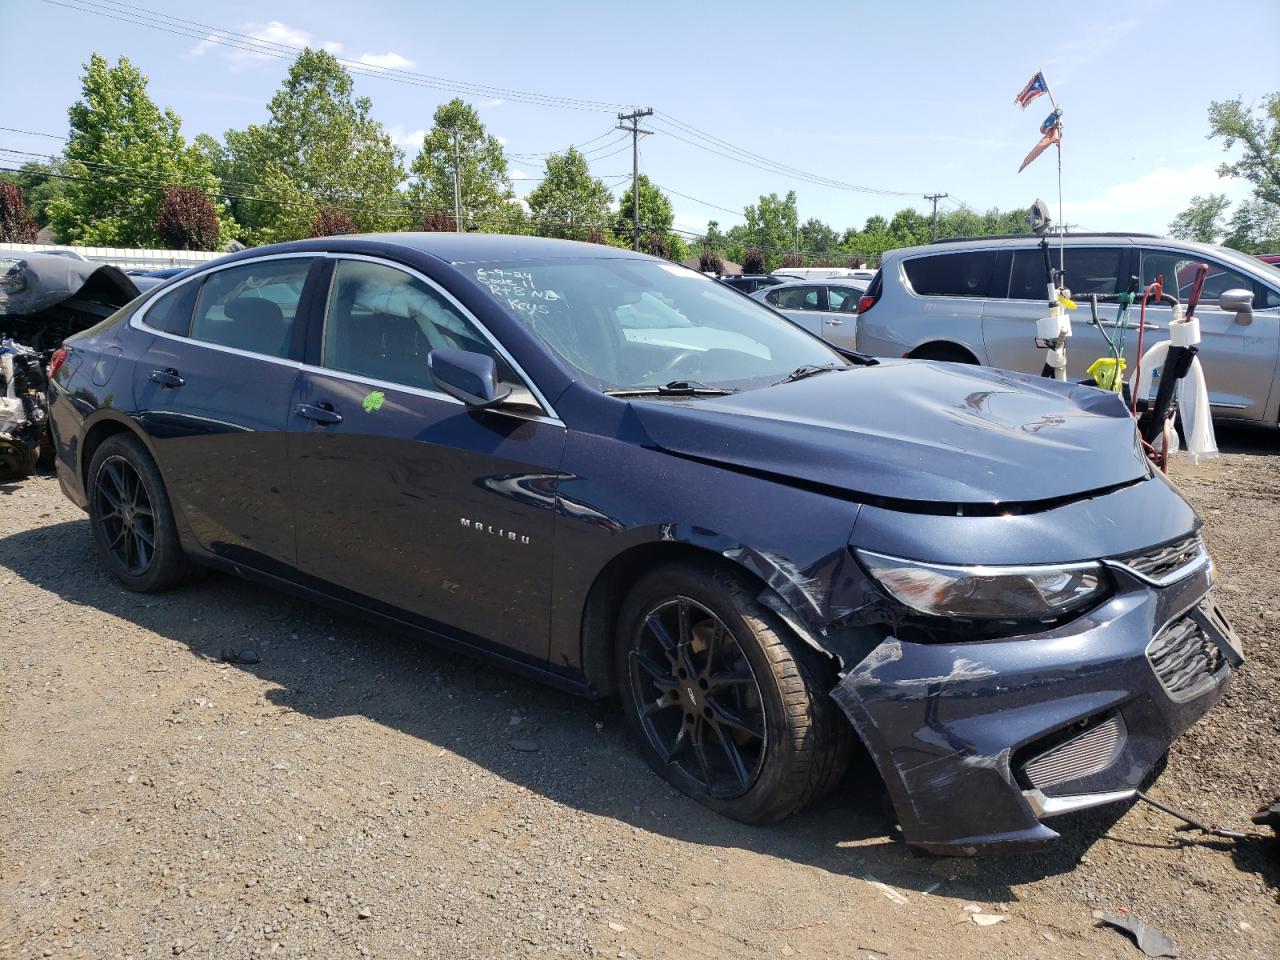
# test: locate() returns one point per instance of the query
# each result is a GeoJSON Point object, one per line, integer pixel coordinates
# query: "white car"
{"type": "Point", "coordinates": [828, 308]}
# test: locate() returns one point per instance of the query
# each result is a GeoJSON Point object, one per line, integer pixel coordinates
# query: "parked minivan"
{"type": "Point", "coordinates": [824, 273]}
{"type": "Point", "coordinates": [977, 301]}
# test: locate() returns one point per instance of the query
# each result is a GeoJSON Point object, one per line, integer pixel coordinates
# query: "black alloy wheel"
{"type": "Point", "coordinates": [125, 514]}
{"type": "Point", "coordinates": [703, 709]}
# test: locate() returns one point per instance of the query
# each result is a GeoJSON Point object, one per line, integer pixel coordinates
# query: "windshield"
{"type": "Point", "coordinates": [634, 324]}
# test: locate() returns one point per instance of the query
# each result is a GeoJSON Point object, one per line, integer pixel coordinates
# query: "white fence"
{"type": "Point", "coordinates": [124, 258]}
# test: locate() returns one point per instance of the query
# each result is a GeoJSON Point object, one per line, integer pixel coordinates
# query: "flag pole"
{"type": "Point", "coordinates": [1061, 222]}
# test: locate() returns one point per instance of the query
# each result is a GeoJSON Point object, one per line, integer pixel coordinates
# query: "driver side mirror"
{"type": "Point", "coordinates": [469, 377]}
{"type": "Point", "coordinates": [1239, 302]}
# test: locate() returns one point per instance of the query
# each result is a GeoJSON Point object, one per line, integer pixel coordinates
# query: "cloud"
{"type": "Point", "coordinates": [1150, 201]}
{"type": "Point", "coordinates": [411, 139]}
{"type": "Point", "coordinates": [693, 222]}
{"type": "Point", "coordinates": [518, 175]}
{"type": "Point", "coordinates": [240, 51]}
{"type": "Point", "coordinates": [495, 102]}
{"type": "Point", "coordinates": [386, 61]}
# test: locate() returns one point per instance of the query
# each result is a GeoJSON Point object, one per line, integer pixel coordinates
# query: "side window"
{"type": "Point", "coordinates": [251, 307]}
{"type": "Point", "coordinates": [843, 299]}
{"type": "Point", "coordinates": [799, 298]}
{"type": "Point", "coordinates": [1089, 270]}
{"type": "Point", "coordinates": [1179, 272]}
{"type": "Point", "coordinates": [964, 274]}
{"type": "Point", "coordinates": [382, 322]}
{"type": "Point", "coordinates": [171, 311]}
{"type": "Point", "coordinates": [772, 297]}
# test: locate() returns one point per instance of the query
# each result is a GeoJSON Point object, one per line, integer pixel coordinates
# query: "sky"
{"type": "Point", "coordinates": [908, 98]}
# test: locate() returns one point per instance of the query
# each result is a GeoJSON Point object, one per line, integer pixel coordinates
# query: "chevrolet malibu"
{"type": "Point", "coordinates": [768, 549]}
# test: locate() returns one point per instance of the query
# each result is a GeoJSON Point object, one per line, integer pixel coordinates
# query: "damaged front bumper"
{"type": "Point", "coordinates": [978, 743]}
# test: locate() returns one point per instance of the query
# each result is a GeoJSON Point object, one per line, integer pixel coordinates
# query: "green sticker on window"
{"type": "Point", "coordinates": [373, 401]}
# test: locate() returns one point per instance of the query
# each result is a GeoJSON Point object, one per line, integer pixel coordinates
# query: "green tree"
{"type": "Point", "coordinates": [817, 237]}
{"type": "Point", "coordinates": [123, 150]}
{"type": "Point", "coordinates": [40, 186]}
{"type": "Point", "coordinates": [773, 225]}
{"type": "Point", "coordinates": [1254, 227]}
{"type": "Point", "coordinates": [485, 187]}
{"type": "Point", "coordinates": [320, 150]}
{"type": "Point", "coordinates": [569, 201]}
{"type": "Point", "coordinates": [1259, 139]}
{"type": "Point", "coordinates": [656, 215]}
{"type": "Point", "coordinates": [1202, 220]}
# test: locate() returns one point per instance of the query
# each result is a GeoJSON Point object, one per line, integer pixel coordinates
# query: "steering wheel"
{"type": "Point", "coordinates": [670, 366]}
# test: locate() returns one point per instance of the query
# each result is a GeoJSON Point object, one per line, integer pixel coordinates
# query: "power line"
{"type": "Point", "coordinates": [205, 32]}
{"type": "Point", "coordinates": [705, 203]}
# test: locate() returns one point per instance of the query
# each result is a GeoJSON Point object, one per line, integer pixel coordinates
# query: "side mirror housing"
{"type": "Point", "coordinates": [469, 377]}
{"type": "Point", "coordinates": [1239, 302]}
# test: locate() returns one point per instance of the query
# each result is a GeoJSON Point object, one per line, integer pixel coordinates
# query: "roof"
{"type": "Point", "coordinates": [469, 247]}
{"type": "Point", "coordinates": [1052, 235]}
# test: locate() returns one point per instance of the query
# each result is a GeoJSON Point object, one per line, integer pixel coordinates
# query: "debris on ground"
{"type": "Point", "coordinates": [1150, 941]}
{"type": "Point", "coordinates": [246, 656]}
{"type": "Point", "coordinates": [1269, 816]}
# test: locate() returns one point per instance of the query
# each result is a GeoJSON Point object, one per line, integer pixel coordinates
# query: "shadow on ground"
{"type": "Point", "coordinates": [327, 665]}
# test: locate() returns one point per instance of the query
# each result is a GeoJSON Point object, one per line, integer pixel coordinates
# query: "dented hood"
{"type": "Point", "coordinates": [914, 430]}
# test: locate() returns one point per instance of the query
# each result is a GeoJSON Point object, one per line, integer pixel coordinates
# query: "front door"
{"type": "Point", "coordinates": [407, 500]}
{"type": "Point", "coordinates": [213, 389]}
{"type": "Point", "coordinates": [805, 305]}
{"type": "Point", "coordinates": [1238, 359]}
{"type": "Point", "coordinates": [840, 320]}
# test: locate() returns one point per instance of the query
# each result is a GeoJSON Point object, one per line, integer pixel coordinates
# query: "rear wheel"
{"type": "Point", "coordinates": [943, 351]}
{"type": "Point", "coordinates": [727, 707]}
{"type": "Point", "coordinates": [132, 521]}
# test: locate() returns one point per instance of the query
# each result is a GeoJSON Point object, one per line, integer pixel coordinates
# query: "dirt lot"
{"type": "Point", "coordinates": [358, 794]}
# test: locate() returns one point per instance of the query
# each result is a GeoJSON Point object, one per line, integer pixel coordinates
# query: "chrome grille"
{"type": "Point", "coordinates": [1089, 753]}
{"type": "Point", "coordinates": [1185, 658]}
{"type": "Point", "coordinates": [1167, 562]}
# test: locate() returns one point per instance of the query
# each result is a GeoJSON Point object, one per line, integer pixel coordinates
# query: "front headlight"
{"type": "Point", "coordinates": [987, 593]}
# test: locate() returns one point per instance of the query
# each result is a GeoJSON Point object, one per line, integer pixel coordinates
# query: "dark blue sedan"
{"type": "Point", "coordinates": [618, 476]}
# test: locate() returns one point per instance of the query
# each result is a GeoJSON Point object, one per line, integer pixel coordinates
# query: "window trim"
{"type": "Point", "coordinates": [548, 413]}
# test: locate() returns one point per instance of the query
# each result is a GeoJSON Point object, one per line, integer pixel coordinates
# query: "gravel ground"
{"type": "Point", "coordinates": [359, 794]}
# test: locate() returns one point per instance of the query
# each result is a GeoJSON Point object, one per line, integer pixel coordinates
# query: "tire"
{"type": "Point", "coordinates": [121, 472]}
{"type": "Point", "coordinates": [943, 351]}
{"type": "Point", "coordinates": [790, 737]}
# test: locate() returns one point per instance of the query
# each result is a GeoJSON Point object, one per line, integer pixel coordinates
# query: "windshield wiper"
{"type": "Point", "coordinates": [810, 370]}
{"type": "Point", "coordinates": [676, 388]}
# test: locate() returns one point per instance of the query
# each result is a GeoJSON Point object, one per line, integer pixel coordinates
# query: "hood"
{"type": "Point", "coordinates": [914, 430]}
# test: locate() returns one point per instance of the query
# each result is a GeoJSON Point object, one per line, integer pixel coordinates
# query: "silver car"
{"type": "Point", "coordinates": [977, 301]}
{"type": "Point", "coordinates": [828, 308]}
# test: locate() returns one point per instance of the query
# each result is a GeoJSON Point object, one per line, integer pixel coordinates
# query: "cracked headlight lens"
{"type": "Point", "coordinates": [987, 593]}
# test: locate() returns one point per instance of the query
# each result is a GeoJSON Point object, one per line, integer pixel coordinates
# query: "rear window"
{"type": "Point", "coordinates": [1089, 270]}
{"type": "Point", "coordinates": [171, 311]}
{"type": "Point", "coordinates": [961, 274]}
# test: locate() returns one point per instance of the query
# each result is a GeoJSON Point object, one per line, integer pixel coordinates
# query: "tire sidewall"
{"type": "Point", "coordinates": [713, 589]}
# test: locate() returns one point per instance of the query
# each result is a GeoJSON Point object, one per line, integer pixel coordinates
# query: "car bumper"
{"type": "Point", "coordinates": [980, 743]}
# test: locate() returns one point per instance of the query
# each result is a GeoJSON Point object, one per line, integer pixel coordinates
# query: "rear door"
{"type": "Point", "coordinates": [1239, 360]}
{"type": "Point", "coordinates": [805, 304]}
{"type": "Point", "coordinates": [840, 321]}
{"type": "Point", "coordinates": [213, 391]}
{"type": "Point", "coordinates": [408, 501]}
{"type": "Point", "coordinates": [1016, 303]}
{"type": "Point", "coordinates": [949, 288]}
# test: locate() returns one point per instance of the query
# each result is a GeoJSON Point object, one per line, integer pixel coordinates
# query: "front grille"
{"type": "Point", "coordinates": [1089, 753]}
{"type": "Point", "coordinates": [1164, 563]}
{"type": "Point", "coordinates": [1185, 658]}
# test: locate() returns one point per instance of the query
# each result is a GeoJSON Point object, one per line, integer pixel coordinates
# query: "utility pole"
{"type": "Point", "coordinates": [457, 186]}
{"type": "Point", "coordinates": [935, 197]}
{"type": "Point", "coordinates": [636, 134]}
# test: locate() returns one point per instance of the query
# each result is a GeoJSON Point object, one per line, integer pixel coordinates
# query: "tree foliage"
{"type": "Point", "coordinates": [187, 220]}
{"type": "Point", "coordinates": [40, 185]}
{"type": "Point", "coordinates": [122, 151]}
{"type": "Point", "coordinates": [656, 215]}
{"type": "Point", "coordinates": [1259, 138]}
{"type": "Point", "coordinates": [484, 185]}
{"type": "Point", "coordinates": [16, 225]}
{"type": "Point", "coordinates": [709, 261]}
{"type": "Point", "coordinates": [569, 201]}
{"type": "Point", "coordinates": [1202, 220]}
{"type": "Point", "coordinates": [753, 260]}
{"type": "Point", "coordinates": [320, 147]}
{"type": "Point", "coordinates": [435, 221]}
{"type": "Point", "coordinates": [331, 222]}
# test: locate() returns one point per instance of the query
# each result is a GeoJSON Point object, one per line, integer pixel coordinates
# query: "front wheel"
{"type": "Point", "coordinates": [726, 705]}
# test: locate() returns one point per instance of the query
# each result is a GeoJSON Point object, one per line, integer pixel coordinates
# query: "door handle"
{"type": "Point", "coordinates": [833, 321]}
{"type": "Point", "coordinates": [318, 413]}
{"type": "Point", "coordinates": [166, 378]}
